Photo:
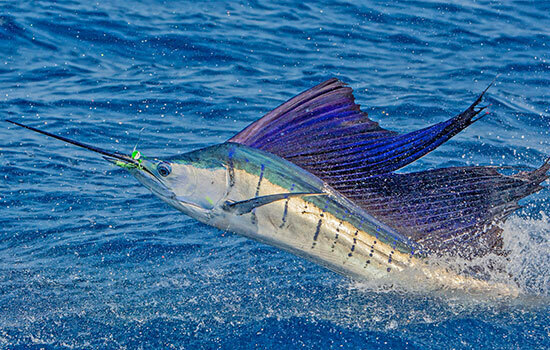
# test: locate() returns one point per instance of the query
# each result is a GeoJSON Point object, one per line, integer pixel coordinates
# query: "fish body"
{"type": "Point", "coordinates": [327, 229]}
{"type": "Point", "coordinates": [314, 177]}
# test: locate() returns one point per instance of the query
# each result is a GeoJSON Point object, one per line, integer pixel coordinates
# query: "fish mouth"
{"type": "Point", "coordinates": [117, 158]}
{"type": "Point", "coordinates": [152, 182]}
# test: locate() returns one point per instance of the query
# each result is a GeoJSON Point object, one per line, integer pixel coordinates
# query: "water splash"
{"type": "Point", "coordinates": [528, 240]}
{"type": "Point", "coordinates": [524, 270]}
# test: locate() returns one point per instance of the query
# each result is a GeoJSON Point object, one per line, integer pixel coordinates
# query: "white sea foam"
{"type": "Point", "coordinates": [525, 269]}
{"type": "Point", "coordinates": [528, 240]}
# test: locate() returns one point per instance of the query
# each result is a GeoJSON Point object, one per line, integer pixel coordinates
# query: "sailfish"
{"type": "Point", "coordinates": [316, 177]}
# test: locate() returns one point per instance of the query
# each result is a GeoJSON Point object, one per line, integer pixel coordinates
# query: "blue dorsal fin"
{"type": "Point", "coordinates": [329, 105]}
{"type": "Point", "coordinates": [323, 131]}
{"type": "Point", "coordinates": [452, 210]}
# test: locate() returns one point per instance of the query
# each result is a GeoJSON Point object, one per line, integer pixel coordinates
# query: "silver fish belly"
{"type": "Point", "coordinates": [307, 229]}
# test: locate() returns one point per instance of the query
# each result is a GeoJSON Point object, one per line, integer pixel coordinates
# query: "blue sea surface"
{"type": "Point", "coordinates": [90, 259]}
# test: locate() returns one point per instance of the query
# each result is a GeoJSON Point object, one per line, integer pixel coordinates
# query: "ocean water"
{"type": "Point", "coordinates": [89, 259]}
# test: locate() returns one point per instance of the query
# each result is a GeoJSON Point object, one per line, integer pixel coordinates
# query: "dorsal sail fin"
{"type": "Point", "coordinates": [322, 109]}
{"type": "Point", "coordinates": [451, 210]}
{"type": "Point", "coordinates": [323, 131]}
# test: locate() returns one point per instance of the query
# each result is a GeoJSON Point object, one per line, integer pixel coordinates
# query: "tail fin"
{"type": "Point", "coordinates": [453, 211]}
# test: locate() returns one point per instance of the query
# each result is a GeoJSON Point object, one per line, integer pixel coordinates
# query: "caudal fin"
{"type": "Point", "coordinates": [453, 211]}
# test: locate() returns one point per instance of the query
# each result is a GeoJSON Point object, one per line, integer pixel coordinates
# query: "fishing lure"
{"type": "Point", "coordinates": [315, 177]}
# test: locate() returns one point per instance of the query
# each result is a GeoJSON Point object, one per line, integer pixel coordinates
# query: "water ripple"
{"type": "Point", "coordinates": [90, 260]}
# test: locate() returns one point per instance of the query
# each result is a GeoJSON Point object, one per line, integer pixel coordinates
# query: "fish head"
{"type": "Point", "coordinates": [187, 185]}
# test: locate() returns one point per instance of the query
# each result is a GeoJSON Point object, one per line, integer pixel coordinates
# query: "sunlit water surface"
{"type": "Point", "coordinates": [90, 259]}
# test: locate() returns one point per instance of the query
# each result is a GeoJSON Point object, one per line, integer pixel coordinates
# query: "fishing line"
{"type": "Point", "coordinates": [137, 154]}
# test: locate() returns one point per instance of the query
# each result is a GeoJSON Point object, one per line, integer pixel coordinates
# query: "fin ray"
{"type": "Point", "coordinates": [246, 206]}
{"type": "Point", "coordinates": [325, 132]}
{"type": "Point", "coordinates": [453, 210]}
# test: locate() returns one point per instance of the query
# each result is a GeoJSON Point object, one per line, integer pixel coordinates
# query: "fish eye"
{"type": "Point", "coordinates": [164, 169]}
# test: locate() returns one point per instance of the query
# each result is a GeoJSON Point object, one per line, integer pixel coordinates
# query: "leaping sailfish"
{"type": "Point", "coordinates": [315, 177]}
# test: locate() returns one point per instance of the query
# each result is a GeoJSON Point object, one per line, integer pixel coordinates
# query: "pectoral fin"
{"type": "Point", "coordinates": [246, 206]}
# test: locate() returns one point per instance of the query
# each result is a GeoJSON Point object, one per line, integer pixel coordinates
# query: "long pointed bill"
{"type": "Point", "coordinates": [113, 155]}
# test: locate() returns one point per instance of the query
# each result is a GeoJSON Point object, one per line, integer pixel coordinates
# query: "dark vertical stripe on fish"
{"type": "Point", "coordinates": [231, 169]}
{"type": "Point", "coordinates": [285, 211]}
{"type": "Point", "coordinates": [354, 243]}
{"type": "Point", "coordinates": [260, 178]}
{"type": "Point", "coordinates": [336, 236]}
{"type": "Point", "coordinates": [317, 230]}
